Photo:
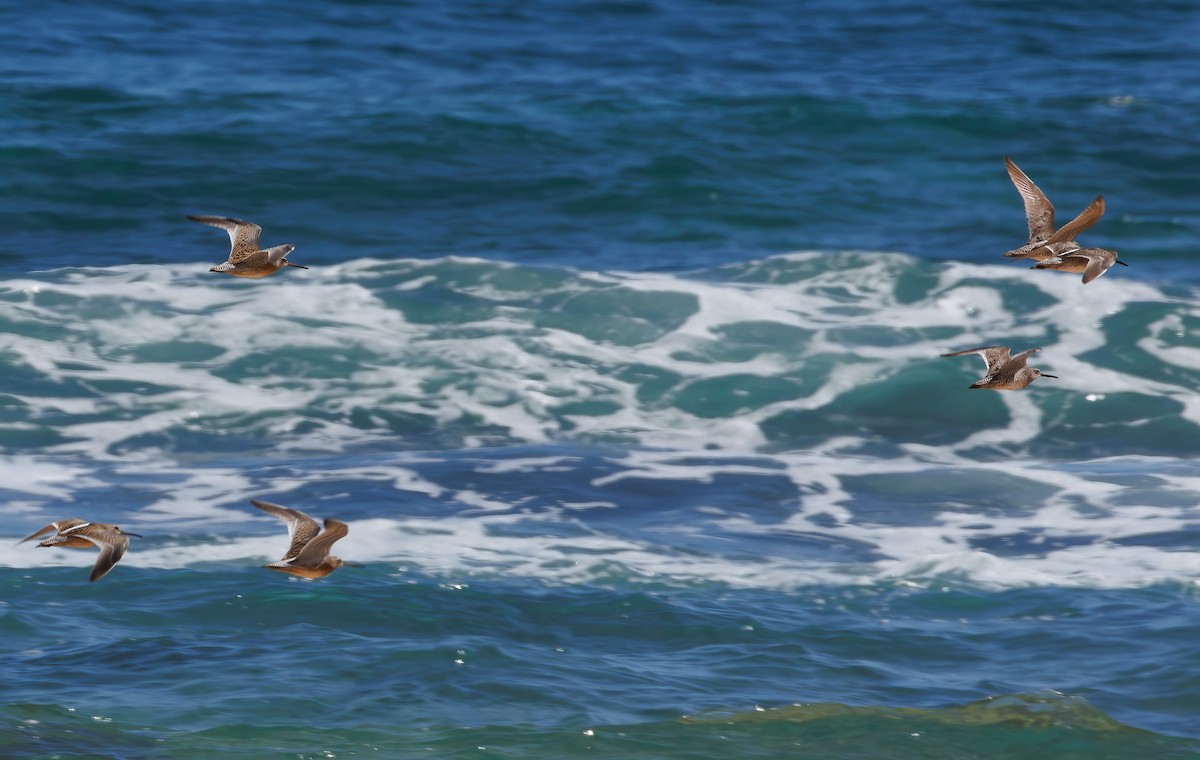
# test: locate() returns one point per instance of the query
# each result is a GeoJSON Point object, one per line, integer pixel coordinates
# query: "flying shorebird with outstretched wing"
{"type": "Point", "coordinates": [74, 533]}
{"type": "Point", "coordinates": [1093, 262]}
{"type": "Point", "coordinates": [245, 257]}
{"type": "Point", "coordinates": [308, 555]}
{"type": "Point", "coordinates": [1044, 240]}
{"type": "Point", "coordinates": [1004, 372]}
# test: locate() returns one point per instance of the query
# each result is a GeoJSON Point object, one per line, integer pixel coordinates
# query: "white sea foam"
{"type": "Point", "coordinates": [463, 547]}
{"type": "Point", "coordinates": [484, 537]}
{"type": "Point", "coordinates": [319, 366]}
{"type": "Point", "coordinates": [512, 376]}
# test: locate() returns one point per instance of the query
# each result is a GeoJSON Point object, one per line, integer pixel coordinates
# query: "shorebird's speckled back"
{"type": "Point", "coordinates": [1004, 372]}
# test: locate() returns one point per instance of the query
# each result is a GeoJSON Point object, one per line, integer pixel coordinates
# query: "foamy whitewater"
{"type": "Point", "coordinates": [775, 424]}
{"type": "Point", "coordinates": [621, 481]}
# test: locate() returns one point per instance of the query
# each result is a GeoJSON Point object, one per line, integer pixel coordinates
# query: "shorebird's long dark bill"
{"type": "Point", "coordinates": [290, 264]}
{"type": "Point", "coordinates": [1053, 376]}
{"type": "Point", "coordinates": [353, 564]}
{"type": "Point", "coordinates": [135, 535]}
{"type": "Point", "coordinates": [1122, 263]}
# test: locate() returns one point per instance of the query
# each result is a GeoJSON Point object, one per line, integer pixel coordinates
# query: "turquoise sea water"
{"type": "Point", "coordinates": [619, 355]}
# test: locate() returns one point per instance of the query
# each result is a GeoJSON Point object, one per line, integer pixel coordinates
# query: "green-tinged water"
{"type": "Point", "coordinates": [692, 526]}
{"type": "Point", "coordinates": [619, 354]}
{"type": "Point", "coordinates": [221, 659]}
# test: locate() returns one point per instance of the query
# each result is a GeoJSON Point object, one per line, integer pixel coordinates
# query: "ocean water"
{"type": "Point", "coordinates": [619, 354]}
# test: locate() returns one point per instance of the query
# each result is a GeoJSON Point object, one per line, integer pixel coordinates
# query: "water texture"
{"type": "Point", "coordinates": [619, 354]}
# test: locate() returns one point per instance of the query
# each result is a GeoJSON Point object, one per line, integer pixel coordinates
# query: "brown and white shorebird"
{"type": "Point", "coordinates": [1004, 372]}
{"type": "Point", "coordinates": [308, 556]}
{"type": "Point", "coordinates": [245, 258]}
{"type": "Point", "coordinates": [1044, 240]}
{"type": "Point", "coordinates": [1093, 262]}
{"type": "Point", "coordinates": [74, 533]}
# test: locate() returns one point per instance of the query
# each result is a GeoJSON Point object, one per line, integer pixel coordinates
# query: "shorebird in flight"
{"type": "Point", "coordinates": [1044, 240]}
{"type": "Point", "coordinates": [245, 258]}
{"type": "Point", "coordinates": [308, 556]}
{"type": "Point", "coordinates": [1093, 262]}
{"type": "Point", "coordinates": [1004, 372]}
{"type": "Point", "coordinates": [77, 534]}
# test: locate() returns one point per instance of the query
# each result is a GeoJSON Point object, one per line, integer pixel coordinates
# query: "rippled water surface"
{"type": "Point", "coordinates": [619, 354]}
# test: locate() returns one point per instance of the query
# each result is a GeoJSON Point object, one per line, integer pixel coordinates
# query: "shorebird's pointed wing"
{"type": "Point", "coordinates": [1039, 212]}
{"type": "Point", "coordinates": [1084, 221]}
{"type": "Point", "coordinates": [243, 235]}
{"type": "Point", "coordinates": [1019, 360]}
{"type": "Point", "coordinates": [112, 546]}
{"type": "Point", "coordinates": [1099, 261]}
{"type": "Point", "coordinates": [318, 548]}
{"type": "Point", "coordinates": [301, 527]}
{"type": "Point", "coordinates": [993, 356]}
{"type": "Point", "coordinates": [59, 525]}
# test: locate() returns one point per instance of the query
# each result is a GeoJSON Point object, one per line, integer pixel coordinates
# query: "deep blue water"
{"type": "Point", "coordinates": [618, 352]}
